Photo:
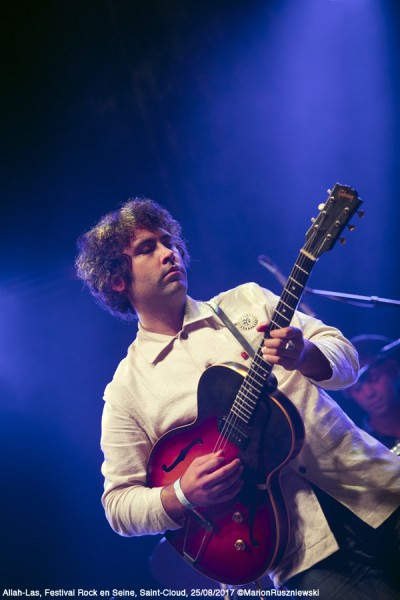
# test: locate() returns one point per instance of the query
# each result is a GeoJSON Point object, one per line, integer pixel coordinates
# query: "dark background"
{"type": "Point", "coordinates": [237, 116]}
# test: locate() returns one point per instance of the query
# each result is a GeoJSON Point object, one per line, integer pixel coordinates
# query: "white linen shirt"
{"type": "Point", "coordinates": [154, 390]}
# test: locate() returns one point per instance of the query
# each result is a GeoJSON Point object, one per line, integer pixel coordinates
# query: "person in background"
{"type": "Point", "coordinates": [377, 391]}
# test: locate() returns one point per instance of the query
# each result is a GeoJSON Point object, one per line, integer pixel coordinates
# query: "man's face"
{"type": "Point", "coordinates": [377, 392]}
{"type": "Point", "coordinates": [157, 269]}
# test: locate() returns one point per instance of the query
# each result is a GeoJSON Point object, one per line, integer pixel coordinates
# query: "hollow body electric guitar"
{"type": "Point", "coordinates": [242, 412]}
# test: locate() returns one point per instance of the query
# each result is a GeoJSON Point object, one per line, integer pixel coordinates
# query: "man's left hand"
{"type": "Point", "coordinates": [285, 347]}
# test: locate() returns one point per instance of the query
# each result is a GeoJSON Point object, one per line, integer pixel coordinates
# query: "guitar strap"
{"type": "Point", "coordinates": [234, 330]}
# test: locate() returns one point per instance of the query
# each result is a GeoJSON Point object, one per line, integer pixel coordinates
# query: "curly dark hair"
{"type": "Point", "coordinates": [101, 260]}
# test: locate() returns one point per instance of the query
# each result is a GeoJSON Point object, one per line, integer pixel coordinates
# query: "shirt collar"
{"type": "Point", "coordinates": [151, 345]}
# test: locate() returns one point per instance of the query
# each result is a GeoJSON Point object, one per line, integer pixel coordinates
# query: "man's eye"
{"type": "Point", "coordinates": [146, 249]}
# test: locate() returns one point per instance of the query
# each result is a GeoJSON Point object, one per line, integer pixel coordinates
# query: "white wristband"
{"type": "Point", "coordinates": [181, 496]}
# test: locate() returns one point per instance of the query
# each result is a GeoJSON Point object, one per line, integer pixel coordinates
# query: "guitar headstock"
{"type": "Point", "coordinates": [334, 215]}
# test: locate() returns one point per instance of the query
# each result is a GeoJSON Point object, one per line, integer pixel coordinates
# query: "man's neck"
{"type": "Point", "coordinates": [167, 320]}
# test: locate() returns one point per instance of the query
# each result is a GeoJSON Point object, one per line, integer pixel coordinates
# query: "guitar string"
{"type": "Point", "coordinates": [261, 369]}
{"type": "Point", "coordinates": [243, 399]}
{"type": "Point", "coordinates": [231, 423]}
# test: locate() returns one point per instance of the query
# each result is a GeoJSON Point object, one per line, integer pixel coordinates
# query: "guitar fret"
{"type": "Point", "coordinates": [253, 386]}
{"type": "Point", "coordinates": [290, 298]}
{"type": "Point", "coordinates": [288, 305]}
{"type": "Point", "coordinates": [242, 410]}
{"type": "Point", "coordinates": [289, 292]}
{"type": "Point", "coordinates": [264, 366]}
{"type": "Point", "coordinates": [259, 375]}
{"type": "Point", "coordinates": [248, 395]}
{"type": "Point", "coordinates": [245, 397]}
{"type": "Point", "coordinates": [249, 390]}
{"type": "Point", "coordinates": [295, 293]}
{"type": "Point", "coordinates": [275, 323]}
{"type": "Point", "coordinates": [284, 317]}
{"type": "Point", "coordinates": [246, 403]}
{"type": "Point", "coordinates": [279, 323]}
{"type": "Point", "coordinates": [304, 271]}
{"type": "Point", "coordinates": [295, 280]}
{"type": "Point", "coordinates": [247, 407]}
{"type": "Point", "coordinates": [244, 417]}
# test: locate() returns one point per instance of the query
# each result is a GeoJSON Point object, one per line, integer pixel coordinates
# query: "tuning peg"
{"type": "Point", "coordinates": [313, 219]}
{"type": "Point", "coordinates": [321, 206]}
{"type": "Point", "coordinates": [351, 227]}
{"type": "Point", "coordinates": [361, 213]}
{"type": "Point", "coordinates": [328, 191]}
{"type": "Point", "coordinates": [342, 241]}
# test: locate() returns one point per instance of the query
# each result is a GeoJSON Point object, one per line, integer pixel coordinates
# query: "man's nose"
{"type": "Point", "coordinates": [168, 255]}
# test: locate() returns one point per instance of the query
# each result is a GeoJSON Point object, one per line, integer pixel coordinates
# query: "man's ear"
{"type": "Point", "coordinates": [118, 284]}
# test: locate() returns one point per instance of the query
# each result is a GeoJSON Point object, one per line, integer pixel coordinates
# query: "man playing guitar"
{"type": "Point", "coordinates": [134, 262]}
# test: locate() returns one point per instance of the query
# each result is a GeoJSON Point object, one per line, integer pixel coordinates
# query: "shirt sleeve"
{"type": "Point", "coordinates": [339, 351]}
{"type": "Point", "coordinates": [131, 507]}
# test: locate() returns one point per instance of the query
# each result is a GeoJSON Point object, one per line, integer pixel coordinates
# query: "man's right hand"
{"type": "Point", "coordinates": [208, 480]}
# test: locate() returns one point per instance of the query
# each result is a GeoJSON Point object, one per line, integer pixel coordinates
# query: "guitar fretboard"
{"type": "Point", "coordinates": [249, 393]}
{"type": "Point", "coordinates": [342, 203]}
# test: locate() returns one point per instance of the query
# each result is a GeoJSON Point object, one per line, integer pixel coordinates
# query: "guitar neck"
{"type": "Point", "coordinates": [343, 202]}
{"type": "Point", "coordinates": [259, 371]}
{"type": "Point", "coordinates": [285, 309]}
{"type": "Point", "coordinates": [292, 293]}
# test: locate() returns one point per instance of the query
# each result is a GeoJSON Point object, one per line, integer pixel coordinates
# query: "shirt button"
{"type": "Point", "coordinates": [184, 335]}
{"type": "Point", "coordinates": [302, 469]}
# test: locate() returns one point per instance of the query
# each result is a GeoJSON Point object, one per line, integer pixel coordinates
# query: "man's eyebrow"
{"type": "Point", "coordinates": [166, 236]}
{"type": "Point", "coordinates": [142, 241]}
{"type": "Point", "coordinates": [151, 238]}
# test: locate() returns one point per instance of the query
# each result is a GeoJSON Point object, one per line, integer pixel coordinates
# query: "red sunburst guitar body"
{"type": "Point", "coordinates": [237, 541]}
{"type": "Point", "coordinates": [234, 542]}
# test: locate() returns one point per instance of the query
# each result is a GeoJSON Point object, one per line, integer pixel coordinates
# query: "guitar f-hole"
{"type": "Point", "coordinates": [182, 455]}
